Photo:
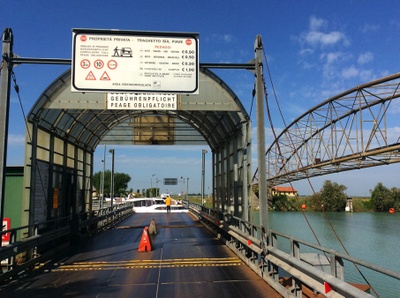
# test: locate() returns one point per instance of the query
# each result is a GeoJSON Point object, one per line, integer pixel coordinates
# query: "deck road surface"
{"type": "Point", "coordinates": [186, 260]}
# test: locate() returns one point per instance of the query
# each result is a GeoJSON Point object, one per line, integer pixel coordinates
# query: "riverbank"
{"type": "Point", "coordinates": [360, 204]}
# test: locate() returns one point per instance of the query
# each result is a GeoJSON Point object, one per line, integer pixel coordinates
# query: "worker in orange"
{"type": "Point", "coordinates": [168, 203]}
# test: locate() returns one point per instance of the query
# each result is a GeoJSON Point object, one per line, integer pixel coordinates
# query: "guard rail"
{"type": "Point", "coordinates": [289, 272]}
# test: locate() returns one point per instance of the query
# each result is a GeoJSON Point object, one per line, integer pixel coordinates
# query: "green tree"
{"type": "Point", "coordinates": [279, 202]}
{"type": "Point", "coordinates": [152, 192]}
{"type": "Point", "coordinates": [382, 197]}
{"type": "Point", "coordinates": [332, 197]}
{"type": "Point", "coordinates": [121, 181]}
{"type": "Point", "coordinates": [396, 198]}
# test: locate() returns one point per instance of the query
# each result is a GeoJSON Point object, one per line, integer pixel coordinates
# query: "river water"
{"type": "Point", "coordinates": [372, 237]}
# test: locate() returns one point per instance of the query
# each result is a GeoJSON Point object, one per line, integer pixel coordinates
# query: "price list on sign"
{"type": "Point", "coordinates": [127, 61]}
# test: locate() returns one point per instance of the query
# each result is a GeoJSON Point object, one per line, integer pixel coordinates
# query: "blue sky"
{"type": "Point", "coordinates": [315, 50]}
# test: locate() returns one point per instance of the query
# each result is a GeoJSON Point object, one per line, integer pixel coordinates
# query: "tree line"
{"type": "Point", "coordinates": [121, 181]}
{"type": "Point", "coordinates": [333, 198]}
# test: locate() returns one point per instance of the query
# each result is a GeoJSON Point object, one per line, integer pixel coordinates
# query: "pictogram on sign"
{"type": "Point", "coordinates": [112, 64]}
{"type": "Point", "coordinates": [105, 77]}
{"type": "Point", "coordinates": [98, 64]}
{"type": "Point", "coordinates": [90, 77]}
{"type": "Point", "coordinates": [85, 63]}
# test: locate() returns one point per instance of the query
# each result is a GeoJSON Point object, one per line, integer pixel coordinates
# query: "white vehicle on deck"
{"type": "Point", "coordinates": [155, 205]}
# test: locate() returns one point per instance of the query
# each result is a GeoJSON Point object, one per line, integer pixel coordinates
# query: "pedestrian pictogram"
{"type": "Point", "coordinates": [90, 77]}
{"type": "Point", "coordinates": [105, 77]}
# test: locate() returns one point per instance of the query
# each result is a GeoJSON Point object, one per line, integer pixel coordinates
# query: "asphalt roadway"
{"type": "Point", "coordinates": [185, 260]}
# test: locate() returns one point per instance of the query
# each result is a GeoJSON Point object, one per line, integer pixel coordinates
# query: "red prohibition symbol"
{"type": "Point", "coordinates": [99, 64]}
{"type": "Point", "coordinates": [85, 63]}
{"type": "Point", "coordinates": [112, 64]}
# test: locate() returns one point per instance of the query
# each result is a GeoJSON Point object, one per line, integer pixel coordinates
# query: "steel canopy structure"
{"type": "Point", "coordinates": [64, 129]}
{"type": "Point", "coordinates": [211, 117]}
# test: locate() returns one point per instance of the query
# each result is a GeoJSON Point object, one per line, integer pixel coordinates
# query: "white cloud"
{"type": "Point", "coordinates": [334, 57]}
{"type": "Point", "coordinates": [331, 62]}
{"type": "Point", "coordinates": [225, 38]}
{"type": "Point", "coordinates": [394, 107]}
{"type": "Point", "coordinates": [367, 28]}
{"type": "Point", "coordinates": [350, 72]}
{"type": "Point", "coordinates": [365, 58]}
{"type": "Point", "coordinates": [366, 75]}
{"type": "Point", "coordinates": [305, 52]}
{"type": "Point", "coordinates": [317, 23]}
{"type": "Point", "coordinates": [16, 140]}
{"type": "Point", "coordinates": [324, 39]}
{"type": "Point", "coordinates": [318, 36]}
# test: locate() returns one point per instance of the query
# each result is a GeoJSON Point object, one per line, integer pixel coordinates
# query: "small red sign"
{"type": "Point", "coordinates": [6, 226]}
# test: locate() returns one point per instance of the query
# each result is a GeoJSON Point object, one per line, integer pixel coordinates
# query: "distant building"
{"type": "Point", "coordinates": [284, 190]}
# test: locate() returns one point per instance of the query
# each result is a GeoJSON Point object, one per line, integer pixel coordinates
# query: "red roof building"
{"type": "Point", "coordinates": [284, 190]}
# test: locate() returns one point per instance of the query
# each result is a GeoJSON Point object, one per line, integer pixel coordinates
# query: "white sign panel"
{"type": "Point", "coordinates": [127, 61]}
{"type": "Point", "coordinates": [141, 101]}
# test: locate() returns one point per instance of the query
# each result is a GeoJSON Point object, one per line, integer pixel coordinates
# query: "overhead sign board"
{"type": "Point", "coordinates": [130, 61]}
{"type": "Point", "coordinates": [170, 181]}
{"type": "Point", "coordinates": [141, 101]}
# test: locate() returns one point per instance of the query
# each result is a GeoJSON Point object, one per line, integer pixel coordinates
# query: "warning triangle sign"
{"type": "Point", "coordinates": [90, 77]}
{"type": "Point", "coordinates": [105, 77]}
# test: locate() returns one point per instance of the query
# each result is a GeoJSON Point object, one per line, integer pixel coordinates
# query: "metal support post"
{"type": "Point", "coordinates": [187, 188]}
{"type": "Point", "coordinates": [5, 78]}
{"type": "Point", "coordinates": [112, 177]}
{"type": "Point", "coordinates": [203, 153]}
{"type": "Point", "coordinates": [102, 188]}
{"type": "Point", "coordinates": [262, 180]}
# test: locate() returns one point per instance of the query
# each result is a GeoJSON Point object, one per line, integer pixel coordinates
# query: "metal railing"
{"type": "Point", "coordinates": [47, 238]}
{"type": "Point", "coordinates": [288, 264]}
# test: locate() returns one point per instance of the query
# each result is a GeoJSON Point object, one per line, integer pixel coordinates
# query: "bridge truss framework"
{"type": "Point", "coordinates": [346, 132]}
